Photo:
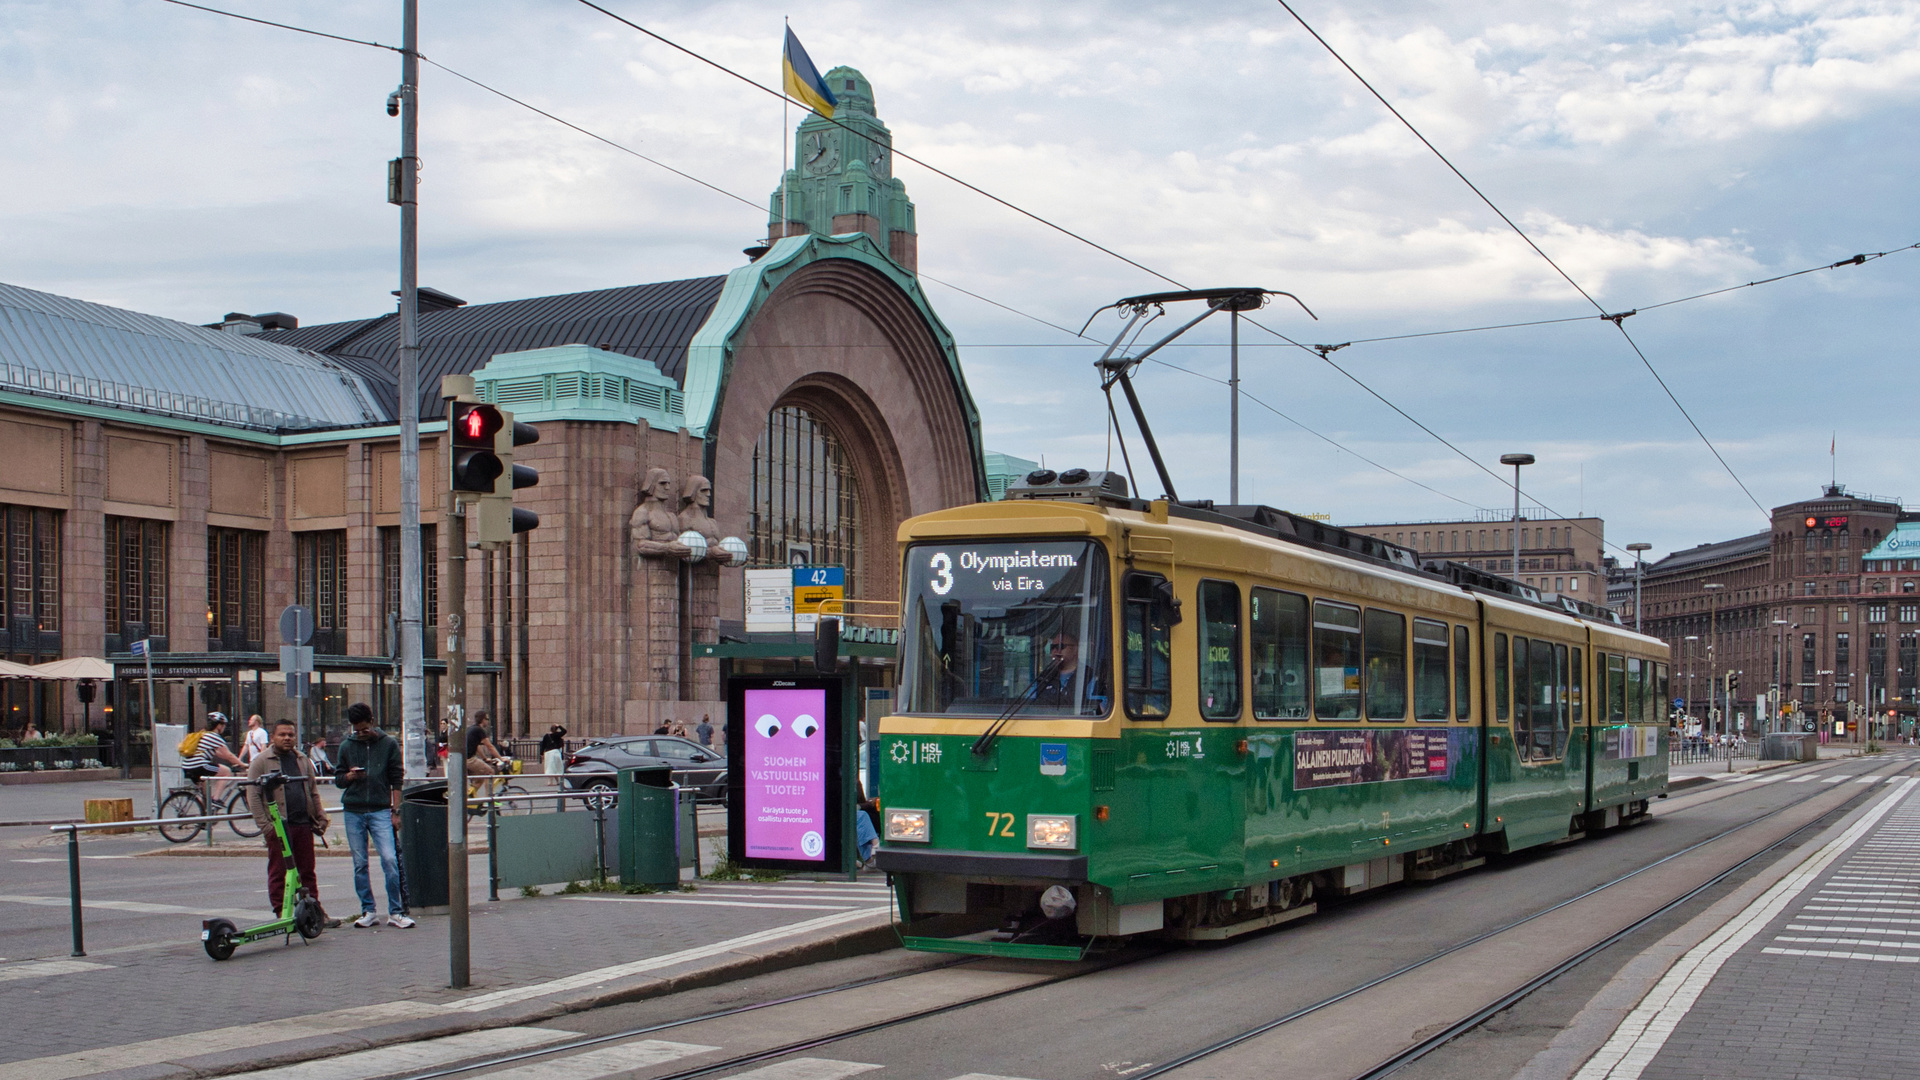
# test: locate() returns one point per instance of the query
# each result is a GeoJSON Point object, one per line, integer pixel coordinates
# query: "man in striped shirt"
{"type": "Point", "coordinates": [211, 757]}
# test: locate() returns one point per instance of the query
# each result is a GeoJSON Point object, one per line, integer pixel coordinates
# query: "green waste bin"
{"type": "Point", "coordinates": [649, 832]}
{"type": "Point", "coordinates": [423, 845]}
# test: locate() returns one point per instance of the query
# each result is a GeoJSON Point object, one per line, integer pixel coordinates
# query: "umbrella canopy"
{"type": "Point", "coordinates": [11, 670]}
{"type": "Point", "coordinates": [74, 667]}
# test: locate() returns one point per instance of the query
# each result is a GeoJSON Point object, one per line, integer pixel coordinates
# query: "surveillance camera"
{"type": "Point", "coordinates": [393, 103]}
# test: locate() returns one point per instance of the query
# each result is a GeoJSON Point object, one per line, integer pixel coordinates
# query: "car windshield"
{"type": "Point", "coordinates": [988, 627]}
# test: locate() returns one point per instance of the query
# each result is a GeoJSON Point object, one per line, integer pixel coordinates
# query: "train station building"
{"type": "Point", "coordinates": [182, 484]}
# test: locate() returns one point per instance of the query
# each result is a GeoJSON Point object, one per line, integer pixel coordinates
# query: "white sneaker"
{"type": "Point", "coordinates": [400, 921]}
{"type": "Point", "coordinates": [366, 920]}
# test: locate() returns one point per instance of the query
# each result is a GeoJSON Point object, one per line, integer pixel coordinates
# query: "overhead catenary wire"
{"type": "Point", "coordinates": [1618, 319]}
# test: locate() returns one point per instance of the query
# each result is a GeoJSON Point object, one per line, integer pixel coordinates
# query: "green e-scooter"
{"type": "Point", "coordinates": [299, 911]}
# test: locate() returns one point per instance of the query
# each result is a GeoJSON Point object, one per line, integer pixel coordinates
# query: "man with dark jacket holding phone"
{"type": "Point", "coordinates": [369, 778]}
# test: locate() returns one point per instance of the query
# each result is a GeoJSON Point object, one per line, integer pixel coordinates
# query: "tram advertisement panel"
{"type": "Point", "coordinates": [1343, 756]}
{"type": "Point", "coordinates": [785, 785]}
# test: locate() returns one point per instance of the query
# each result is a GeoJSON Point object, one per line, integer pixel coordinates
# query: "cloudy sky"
{"type": "Point", "coordinates": [187, 165]}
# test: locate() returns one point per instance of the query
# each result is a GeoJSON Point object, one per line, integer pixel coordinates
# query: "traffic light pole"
{"type": "Point", "coordinates": [456, 590]}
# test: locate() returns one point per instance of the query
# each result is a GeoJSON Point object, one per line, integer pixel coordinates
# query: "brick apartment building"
{"type": "Point", "coordinates": [1557, 555]}
{"type": "Point", "coordinates": [1812, 608]}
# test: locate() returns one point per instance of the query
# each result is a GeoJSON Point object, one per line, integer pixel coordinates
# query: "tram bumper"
{"type": "Point", "coordinates": [983, 866]}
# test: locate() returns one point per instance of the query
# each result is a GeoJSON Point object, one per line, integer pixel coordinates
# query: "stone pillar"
{"type": "Point", "coordinates": [83, 559]}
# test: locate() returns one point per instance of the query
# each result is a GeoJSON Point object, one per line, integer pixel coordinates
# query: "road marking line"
{"type": "Point", "coordinates": [1800, 780]}
{"type": "Point", "coordinates": [654, 963]}
{"type": "Point", "coordinates": [807, 1069]}
{"type": "Point", "coordinates": [409, 1057]}
{"type": "Point", "coordinates": [195, 1044]}
{"type": "Point", "coordinates": [1834, 780]}
{"type": "Point", "coordinates": [1644, 1032]}
{"type": "Point", "coordinates": [718, 903]}
{"type": "Point", "coordinates": [1843, 955]}
{"type": "Point", "coordinates": [986, 1076]}
{"type": "Point", "coordinates": [136, 906]}
{"type": "Point", "coordinates": [35, 969]}
{"type": "Point", "coordinates": [1859, 929]}
{"type": "Point", "coordinates": [605, 1061]}
{"type": "Point", "coordinates": [1850, 941]}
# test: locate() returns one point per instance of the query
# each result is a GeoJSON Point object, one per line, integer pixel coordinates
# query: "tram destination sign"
{"type": "Point", "coordinates": [1339, 757]}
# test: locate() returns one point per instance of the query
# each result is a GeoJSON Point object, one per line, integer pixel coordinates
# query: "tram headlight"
{"type": "Point", "coordinates": [1052, 831]}
{"type": "Point", "coordinates": [911, 825]}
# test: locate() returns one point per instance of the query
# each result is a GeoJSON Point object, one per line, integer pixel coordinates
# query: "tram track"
{"type": "Point", "coordinates": [1140, 953]}
{"type": "Point", "coordinates": [1481, 1015]}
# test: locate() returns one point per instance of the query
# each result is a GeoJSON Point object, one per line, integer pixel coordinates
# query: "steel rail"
{"type": "Point", "coordinates": [1456, 1030]}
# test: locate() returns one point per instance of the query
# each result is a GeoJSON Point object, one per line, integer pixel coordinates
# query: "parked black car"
{"type": "Point", "coordinates": [695, 767]}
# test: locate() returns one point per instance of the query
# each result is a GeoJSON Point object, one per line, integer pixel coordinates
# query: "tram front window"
{"type": "Point", "coordinates": [989, 627]}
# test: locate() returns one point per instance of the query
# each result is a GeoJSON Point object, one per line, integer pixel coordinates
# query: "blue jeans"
{"type": "Point", "coordinates": [379, 825]}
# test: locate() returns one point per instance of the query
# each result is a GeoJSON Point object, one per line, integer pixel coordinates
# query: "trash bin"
{"type": "Point", "coordinates": [649, 833]}
{"type": "Point", "coordinates": [423, 845]}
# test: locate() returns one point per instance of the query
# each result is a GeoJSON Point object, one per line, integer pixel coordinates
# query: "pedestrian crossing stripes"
{"type": "Point", "coordinates": [469, 1049]}
{"type": "Point", "coordinates": [415, 1056]}
{"type": "Point", "coordinates": [1870, 907]}
{"type": "Point", "coordinates": [35, 969]}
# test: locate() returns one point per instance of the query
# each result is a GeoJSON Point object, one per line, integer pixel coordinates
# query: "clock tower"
{"type": "Point", "coordinates": [842, 176]}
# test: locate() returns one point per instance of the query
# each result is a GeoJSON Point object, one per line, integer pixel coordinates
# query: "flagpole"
{"type": "Point", "coordinates": [787, 29]}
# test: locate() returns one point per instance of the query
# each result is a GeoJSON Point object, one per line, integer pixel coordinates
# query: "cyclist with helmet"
{"type": "Point", "coordinates": [211, 757]}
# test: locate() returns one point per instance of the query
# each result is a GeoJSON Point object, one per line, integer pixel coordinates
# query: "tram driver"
{"type": "Point", "coordinates": [1065, 674]}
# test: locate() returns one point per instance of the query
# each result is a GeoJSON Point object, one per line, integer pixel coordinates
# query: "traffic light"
{"type": "Point", "coordinates": [499, 518]}
{"type": "Point", "coordinates": [473, 466]}
{"type": "Point", "coordinates": [1733, 683]}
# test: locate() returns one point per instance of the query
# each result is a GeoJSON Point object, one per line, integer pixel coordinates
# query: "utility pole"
{"type": "Point", "coordinates": [456, 590]}
{"type": "Point", "coordinates": [1233, 414]}
{"type": "Point", "coordinates": [403, 187]}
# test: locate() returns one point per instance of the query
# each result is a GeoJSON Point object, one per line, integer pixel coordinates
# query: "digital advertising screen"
{"type": "Point", "coordinates": [787, 791]}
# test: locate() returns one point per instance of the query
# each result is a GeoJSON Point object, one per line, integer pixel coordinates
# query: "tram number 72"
{"type": "Point", "coordinates": [997, 827]}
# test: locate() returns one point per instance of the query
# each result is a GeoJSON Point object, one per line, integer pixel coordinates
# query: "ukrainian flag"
{"type": "Point", "coordinates": [802, 82]}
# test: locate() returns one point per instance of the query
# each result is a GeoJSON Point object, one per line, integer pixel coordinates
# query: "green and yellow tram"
{"type": "Point", "coordinates": [1119, 717]}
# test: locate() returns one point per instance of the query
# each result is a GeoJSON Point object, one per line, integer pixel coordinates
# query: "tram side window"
{"type": "Point", "coordinates": [1540, 694]}
{"type": "Point", "coordinates": [1579, 694]}
{"type": "Point", "coordinates": [1279, 641]}
{"type": "Point", "coordinates": [1462, 675]}
{"type": "Point", "coordinates": [1636, 692]}
{"type": "Point", "coordinates": [1429, 670]}
{"type": "Point", "coordinates": [1616, 689]}
{"type": "Point", "coordinates": [1386, 633]}
{"type": "Point", "coordinates": [1562, 696]}
{"type": "Point", "coordinates": [1499, 676]}
{"type": "Point", "coordinates": [1219, 650]}
{"type": "Point", "coordinates": [1336, 661]}
{"type": "Point", "coordinates": [1522, 704]}
{"type": "Point", "coordinates": [1662, 692]}
{"type": "Point", "coordinates": [1148, 628]}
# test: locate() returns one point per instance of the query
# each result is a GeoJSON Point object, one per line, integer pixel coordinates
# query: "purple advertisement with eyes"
{"type": "Point", "coordinates": [786, 770]}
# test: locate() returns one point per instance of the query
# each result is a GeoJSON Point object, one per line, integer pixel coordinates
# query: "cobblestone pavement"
{"type": "Point", "coordinates": [1814, 980]}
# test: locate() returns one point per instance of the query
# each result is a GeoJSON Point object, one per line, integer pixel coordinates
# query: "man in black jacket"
{"type": "Point", "coordinates": [369, 779]}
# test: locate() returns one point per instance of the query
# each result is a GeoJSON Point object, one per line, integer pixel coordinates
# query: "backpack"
{"type": "Point", "coordinates": [190, 746]}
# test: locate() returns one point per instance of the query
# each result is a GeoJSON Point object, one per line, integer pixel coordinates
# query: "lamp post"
{"type": "Point", "coordinates": [1690, 651]}
{"type": "Point", "coordinates": [1516, 460]}
{"type": "Point", "coordinates": [1639, 573]}
{"type": "Point", "coordinates": [1779, 682]}
{"type": "Point", "coordinates": [1713, 636]}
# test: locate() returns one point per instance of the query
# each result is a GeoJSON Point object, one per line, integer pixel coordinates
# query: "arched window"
{"type": "Point", "coordinates": [806, 500]}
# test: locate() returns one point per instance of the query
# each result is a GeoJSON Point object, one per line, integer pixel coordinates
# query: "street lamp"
{"type": "Point", "coordinates": [1516, 460]}
{"type": "Point", "coordinates": [1690, 652]}
{"type": "Point", "coordinates": [1638, 574]}
{"type": "Point", "coordinates": [1779, 685]}
{"type": "Point", "coordinates": [1713, 635]}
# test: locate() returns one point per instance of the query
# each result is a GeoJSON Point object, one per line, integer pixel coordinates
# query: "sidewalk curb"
{"type": "Point", "coordinates": [856, 941]}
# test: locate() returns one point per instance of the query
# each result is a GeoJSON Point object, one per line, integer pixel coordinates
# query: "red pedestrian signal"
{"type": "Point", "coordinates": [472, 465]}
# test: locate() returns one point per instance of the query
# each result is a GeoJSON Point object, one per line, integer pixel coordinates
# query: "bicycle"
{"type": "Point", "coordinates": [499, 784]}
{"type": "Point", "coordinates": [190, 801]}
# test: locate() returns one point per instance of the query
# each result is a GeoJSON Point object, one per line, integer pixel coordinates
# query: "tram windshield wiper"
{"type": "Point", "coordinates": [985, 742]}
